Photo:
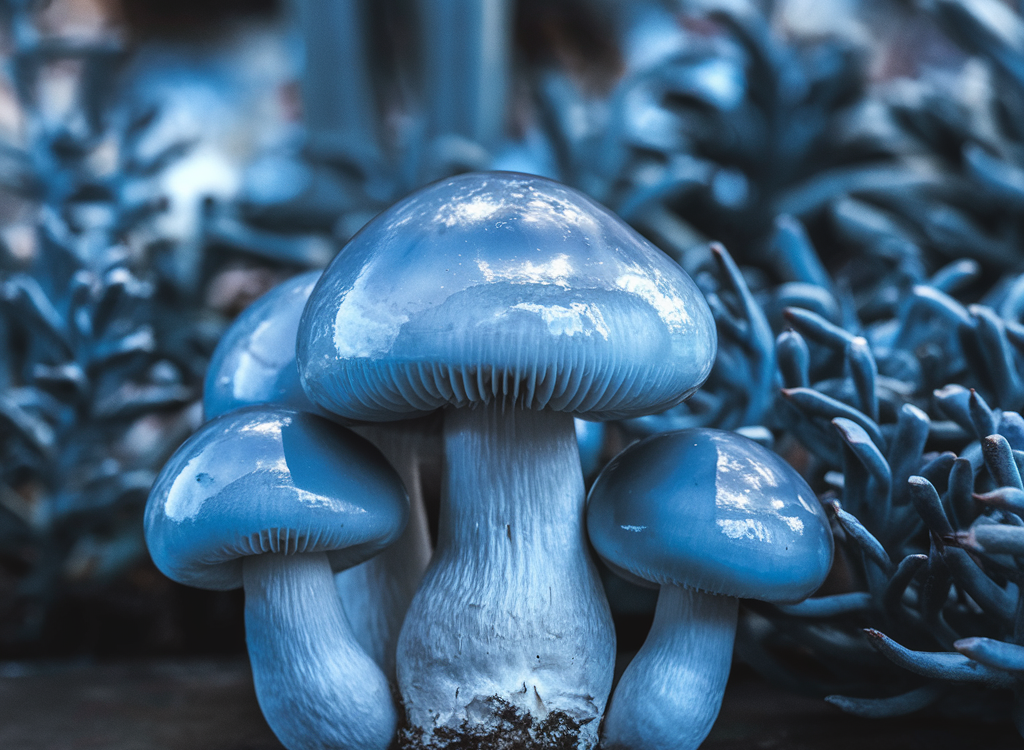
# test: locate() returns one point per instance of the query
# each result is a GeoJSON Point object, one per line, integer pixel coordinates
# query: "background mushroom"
{"type": "Point", "coordinates": [590, 437]}
{"type": "Point", "coordinates": [513, 303]}
{"type": "Point", "coordinates": [254, 363]}
{"type": "Point", "coordinates": [709, 516]}
{"type": "Point", "coordinates": [271, 500]}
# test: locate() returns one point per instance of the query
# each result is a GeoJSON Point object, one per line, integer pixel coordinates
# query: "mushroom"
{"type": "Point", "coordinates": [273, 500]}
{"type": "Point", "coordinates": [590, 437]}
{"type": "Point", "coordinates": [710, 517]}
{"type": "Point", "coordinates": [513, 304]}
{"type": "Point", "coordinates": [254, 363]}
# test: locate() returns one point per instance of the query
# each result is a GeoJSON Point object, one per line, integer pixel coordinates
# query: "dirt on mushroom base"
{"type": "Point", "coordinates": [511, 729]}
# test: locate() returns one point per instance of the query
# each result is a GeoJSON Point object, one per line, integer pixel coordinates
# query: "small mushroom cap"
{"type": "Point", "coordinates": [502, 287]}
{"type": "Point", "coordinates": [254, 362]}
{"type": "Point", "coordinates": [714, 511]}
{"type": "Point", "coordinates": [261, 480]}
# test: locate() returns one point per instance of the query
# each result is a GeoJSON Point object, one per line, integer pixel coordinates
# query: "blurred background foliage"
{"type": "Point", "coordinates": [162, 164]}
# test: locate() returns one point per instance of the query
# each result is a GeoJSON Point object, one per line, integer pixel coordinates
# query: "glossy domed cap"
{"type": "Point", "coordinates": [502, 287]}
{"type": "Point", "coordinates": [714, 511]}
{"type": "Point", "coordinates": [259, 480]}
{"type": "Point", "coordinates": [254, 362]}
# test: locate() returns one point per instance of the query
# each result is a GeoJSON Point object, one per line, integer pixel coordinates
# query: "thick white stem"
{"type": "Point", "coordinates": [511, 606]}
{"type": "Point", "coordinates": [376, 594]}
{"type": "Point", "coordinates": [670, 694]}
{"type": "Point", "coordinates": [317, 688]}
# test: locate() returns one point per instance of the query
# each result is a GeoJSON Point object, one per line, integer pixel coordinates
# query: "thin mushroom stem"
{"type": "Point", "coordinates": [376, 594]}
{"type": "Point", "coordinates": [466, 65]}
{"type": "Point", "coordinates": [670, 694]}
{"type": "Point", "coordinates": [337, 92]}
{"type": "Point", "coordinates": [316, 686]}
{"type": "Point", "coordinates": [511, 606]}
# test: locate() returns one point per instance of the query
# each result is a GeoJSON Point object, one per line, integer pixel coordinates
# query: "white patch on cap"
{"type": "Point", "coordinates": [741, 482]}
{"type": "Point", "coordinates": [251, 379]}
{"type": "Point", "coordinates": [473, 209]}
{"type": "Point", "coordinates": [652, 287]}
{"type": "Point", "coordinates": [744, 528]}
{"type": "Point", "coordinates": [207, 474]}
{"type": "Point", "coordinates": [363, 326]}
{"type": "Point", "coordinates": [554, 272]}
{"type": "Point", "coordinates": [268, 427]}
{"type": "Point", "coordinates": [560, 320]}
{"type": "Point", "coordinates": [794, 523]}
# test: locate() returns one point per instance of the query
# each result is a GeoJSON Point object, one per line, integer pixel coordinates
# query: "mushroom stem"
{"type": "Point", "coordinates": [670, 694]}
{"type": "Point", "coordinates": [511, 606]}
{"type": "Point", "coordinates": [466, 65]}
{"type": "Point", "coordinates": [376, 594]}
{"type": "Point", "coordinates": [317, 688]}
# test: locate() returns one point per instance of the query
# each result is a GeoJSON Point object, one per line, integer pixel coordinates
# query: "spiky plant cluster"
{"type": "Point", "coordinates": [960, 132]}
{"type": "Point", "coordinates": [907, 462]}
{"type": "Point", "coordinates": [101, 356]}
{"type": "Point", "coordinates": [717, 137]}
{"type": "Point", "coordinates": [907, 400]}
{"type": "Point", "coordinates": [899, 367]}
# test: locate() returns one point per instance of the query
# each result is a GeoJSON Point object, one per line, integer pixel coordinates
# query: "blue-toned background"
{"type": "Point", "coordinates": [162, 165]}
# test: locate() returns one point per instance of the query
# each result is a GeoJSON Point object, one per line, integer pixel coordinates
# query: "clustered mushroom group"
{"type": "Point", "coordinates": [472, 325]}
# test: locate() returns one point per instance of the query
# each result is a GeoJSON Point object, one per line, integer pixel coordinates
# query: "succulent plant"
{"type": "Point", "coordinates": [911, 563]}
{"type": "Point", "coordinates": [103, 351]}
{"type": "Point", "coordinates": [960, 129]}
{"type": "Point", "coordinates": [718, 136]}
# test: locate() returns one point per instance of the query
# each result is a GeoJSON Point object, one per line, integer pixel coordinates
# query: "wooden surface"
{"type": "Point", "coordinates": [211, 706]}
{"type": "Point", "coordinates": [756, 716]}
{"type": "Point", "coordinates": [136, 706]}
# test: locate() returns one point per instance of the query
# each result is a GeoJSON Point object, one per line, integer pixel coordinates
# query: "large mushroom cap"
{"type": "Point", "coordinates": [259, 480]}
{"type": "Point", "coordinates": [714, 511]}
{"type": "Point", "coordinates": [502, 287]}
{"type": "Point", "coordinates": [254, 362]}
